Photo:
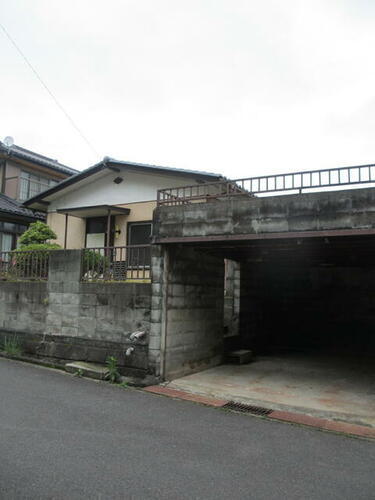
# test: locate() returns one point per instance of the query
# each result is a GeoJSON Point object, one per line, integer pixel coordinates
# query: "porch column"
{"type": "Point", "coordinates": [66, 231]}
{"type": "Point", "coordinates": [108, 228]}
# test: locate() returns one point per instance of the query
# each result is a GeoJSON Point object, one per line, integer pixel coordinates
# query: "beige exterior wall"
{"type": "Point", "coordinates": [13, 172]}
{"type": "Point", "coordinates": [139, 212]}
{"type": "Point", "coordinates": [77, 227]}
{"type": "Point", "coordinates": [12, 175]}
{"type": "Point", "coordinates": [76, 230]}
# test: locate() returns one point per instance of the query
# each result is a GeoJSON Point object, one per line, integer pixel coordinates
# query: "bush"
{"type": "Point", "coordinates": [40, 247]}
{"type": "Point", "coordinates": [12, 346]}
{"type": "Point", "coordinates": [38, 233]}
{"type": "Point", "coordinates": [31, 261]}
{"type": "Point", "coordinates": [95, 262]}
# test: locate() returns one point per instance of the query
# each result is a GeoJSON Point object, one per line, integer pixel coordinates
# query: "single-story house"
{"type": "Point", "coordinates": [110, 203]}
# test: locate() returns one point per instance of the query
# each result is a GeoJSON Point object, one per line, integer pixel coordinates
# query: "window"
{"type": "Point", "coordinates": [139, 233]}
{"type": "Point", "coordinates": [31, 184]}
{"type": "Point", "coordinates": [9, 233]}
{"type": "Point", "coordinates": [96, 232]}
{"type": "Point", "coordinates": [6, 242]}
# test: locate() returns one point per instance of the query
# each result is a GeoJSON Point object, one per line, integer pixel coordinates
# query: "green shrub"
{"type": "Point", "coordinates": [94, 261]}
{"type": "Point", "coordinates": [12, 346]}
{"type": "Point", "coordinates": [113, 374]}
{"type": "Point", "coordinates": [38, 232]}
{"type": "Point", "coordinates": [32, 260]}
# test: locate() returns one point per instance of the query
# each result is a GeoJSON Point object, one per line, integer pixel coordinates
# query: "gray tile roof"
{"type": "Point", "coordinates": [108, 162]}
{"type": "Point", "coordinates": [25, 154]}
{"type": "Point", "coordinates": [13, 207]}
{"type": "Point", "coordinates": [158, 167]}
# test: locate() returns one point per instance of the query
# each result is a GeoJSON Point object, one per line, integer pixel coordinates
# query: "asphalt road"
{"type": "Point", "coordinates": [63, 437]}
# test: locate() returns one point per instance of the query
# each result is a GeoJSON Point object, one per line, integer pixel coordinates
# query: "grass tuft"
{"type": "Point", "coordinates": [12, 346]}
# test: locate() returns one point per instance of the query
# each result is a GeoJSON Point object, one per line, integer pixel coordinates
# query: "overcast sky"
{"type": "Point", "coordinates": [240, 87]}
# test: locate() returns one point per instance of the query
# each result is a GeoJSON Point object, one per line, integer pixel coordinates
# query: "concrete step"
{"type": "Point", "coordinates": [240, 357]}
{"type": "Point", "coordinates": [91, 370]}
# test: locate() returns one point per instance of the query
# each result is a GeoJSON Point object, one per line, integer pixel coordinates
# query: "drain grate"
{"type": "Point", "coordinates": [255, 410]}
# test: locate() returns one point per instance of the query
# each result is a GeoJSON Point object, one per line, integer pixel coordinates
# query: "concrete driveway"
{"type": "Point", "coordinates": [325, 386]}
{"type": "Point", "coordinates": [69, 438]}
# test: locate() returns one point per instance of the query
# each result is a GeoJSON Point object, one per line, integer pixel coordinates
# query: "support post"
{"type": "Point", "coordinates": [108, 239]}
{"type": "Point", "coordinates": [66, 231]}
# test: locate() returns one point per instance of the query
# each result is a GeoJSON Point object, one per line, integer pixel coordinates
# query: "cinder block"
{"type": "Point", "coordinates": [53, 320]}
{"type": "Point", "coordinates": [88, 299]}
{"type": "Point", "coordinates": [69, 331]}
{"type": "Point", "coordinates": [156, 315]}
{"type": "Point", "coordinates": [154, 343]}
{"type": "Point", "coordinates": [71, 298]}
{"type": "Point", "coordinates": [155, 329]}
{"type": "Point", "coordinates": [55, 298]}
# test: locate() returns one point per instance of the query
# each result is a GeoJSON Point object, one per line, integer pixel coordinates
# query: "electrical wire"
{"type": "Point", "coordinates": [54, 98]}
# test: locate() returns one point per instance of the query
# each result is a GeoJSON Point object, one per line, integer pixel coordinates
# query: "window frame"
{"type": "Point", "coordinates": [28, 177]}
{"type": "Point", "coordinates": [138, 223]}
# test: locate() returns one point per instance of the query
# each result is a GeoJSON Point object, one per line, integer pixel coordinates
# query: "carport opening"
{"type": "Point", "coordinates": [306, 309]}
{"type": "Point", "coordinates": [309, 295]}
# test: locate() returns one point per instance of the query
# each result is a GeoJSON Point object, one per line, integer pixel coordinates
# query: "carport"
{"type": "Point", "coordinates": [304, 291]}
{"type": "Point", "coordinates": [306, 310]}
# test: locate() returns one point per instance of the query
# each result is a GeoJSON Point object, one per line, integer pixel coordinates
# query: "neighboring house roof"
{"type": "Point", "coordinates": [25, 154]}
{"type": "Point", "coordinates": [13, 208]}
{"type": "Point", "coordinates": [111, 163]}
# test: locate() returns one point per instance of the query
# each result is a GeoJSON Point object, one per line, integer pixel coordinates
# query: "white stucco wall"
{"type": "Point", "coordinates": [136, 187]}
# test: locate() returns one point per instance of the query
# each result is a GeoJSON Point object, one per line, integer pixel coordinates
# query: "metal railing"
{"type": "Point", "coordinates": [295, 181]}
{"type": "Point", "coordinates": [29, 265]}
{"type": "Point", "coordinates": [116, 263]}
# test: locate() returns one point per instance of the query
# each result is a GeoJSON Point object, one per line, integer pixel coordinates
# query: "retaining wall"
{"type": "Point", "coordinates": [65, 318]}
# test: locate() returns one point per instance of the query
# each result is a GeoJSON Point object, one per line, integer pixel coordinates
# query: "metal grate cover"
{"type": "Point", "coordinates": [255, 410]}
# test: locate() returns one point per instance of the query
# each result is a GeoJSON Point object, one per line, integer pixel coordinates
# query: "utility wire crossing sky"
{"type": "Point", "coordinates": [240, 87]}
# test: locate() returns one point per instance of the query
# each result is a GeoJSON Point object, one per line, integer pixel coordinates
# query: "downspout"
{"type": "Point", "coordinates": [164, 322]}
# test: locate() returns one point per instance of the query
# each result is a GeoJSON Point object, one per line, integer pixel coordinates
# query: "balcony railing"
{"type": "Point", "coordinates": [279, 183]}
{"type": "Point", "coordinates": [126, 263]}
{"type": "Point", "coordinates": [24, 265]}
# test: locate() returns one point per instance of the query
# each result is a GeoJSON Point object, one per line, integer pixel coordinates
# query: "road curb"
{"type": "Point", "coordinates": [186, 396]}
{"type": "Point", "coordinates": [327, 425]}
{"type": "Point", "coordinates": [283, 416]}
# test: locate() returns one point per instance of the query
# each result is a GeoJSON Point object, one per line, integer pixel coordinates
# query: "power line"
{"type": "Point", "coordinates": [67, 116]}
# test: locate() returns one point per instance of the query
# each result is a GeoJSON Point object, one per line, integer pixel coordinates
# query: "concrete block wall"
{"type": "Point", "coordinates": [23, 306]}
{"type": "Point", "coordinates": [194, 311]}
{"type": "Point", "coordinates": [335, 210]}
{"type": "Point", "coordinates": [69, 319]}
{"type": "Point", "coordinates": [232, 298]}
{"type": "Point", "coordinates": [158, 255]}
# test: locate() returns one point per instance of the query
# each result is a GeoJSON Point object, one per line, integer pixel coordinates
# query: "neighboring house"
{"type": "Point", "coordinates": [110, 203]}
{"type": "Point", "coordinates": [14, 219]}
{"type": "Point", "coordinates": [23, 174]}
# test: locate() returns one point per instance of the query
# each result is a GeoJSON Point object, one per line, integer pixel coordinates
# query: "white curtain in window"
{"type": "Point", "coordinates": [6, 242]}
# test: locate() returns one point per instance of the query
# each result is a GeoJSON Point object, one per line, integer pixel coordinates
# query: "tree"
{"type": "Point", "coordinates": [38, 234]}
{"type": "Point", "coordinates": [33, 264]}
